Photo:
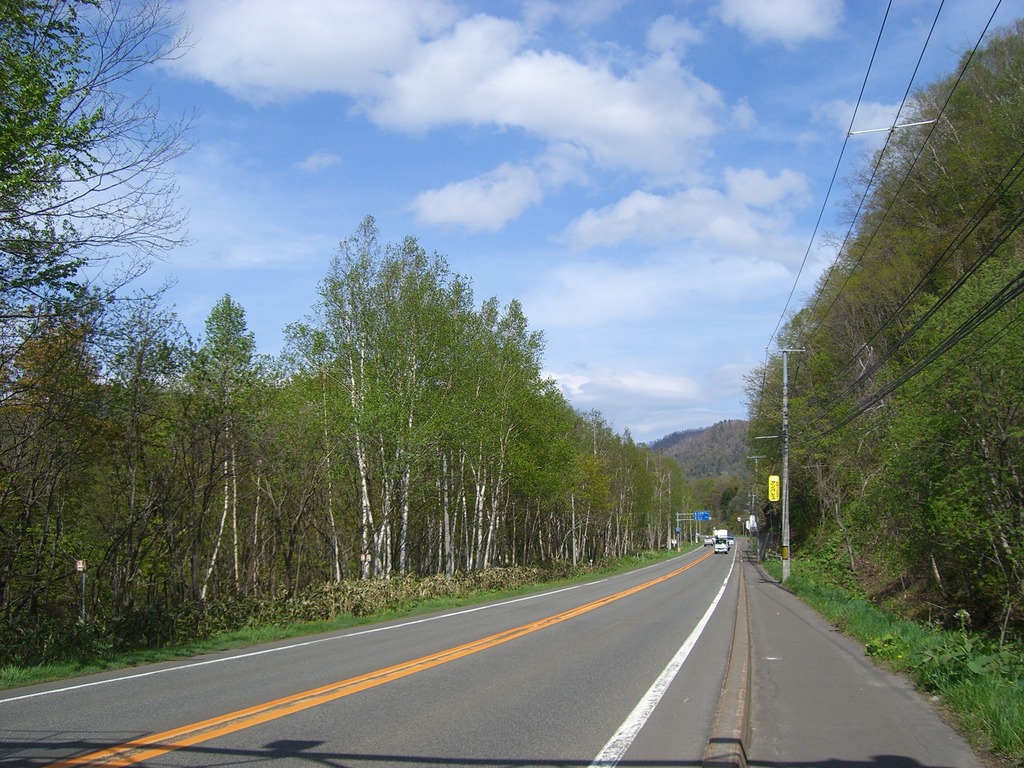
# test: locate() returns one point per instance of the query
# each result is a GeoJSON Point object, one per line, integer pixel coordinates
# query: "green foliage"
{"type": "Point", "coordinates": [828, 563]}
{"type": "Point", "coordinates": [908, 404]}
{"type": "Point", "coordinates": [405, 442]}
{"type": "Point", "coordinates": [33, 643]}
{"type": "Point", "coordinates": [406, 448]}
{"type": "Point", "coordinates": [718, 450]}
{"type": "Point", "coordinates": [41, 138]}
{"type": "Point", "coordinates": [145, 627]}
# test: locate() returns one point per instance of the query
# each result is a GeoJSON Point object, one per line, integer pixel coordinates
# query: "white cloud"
{"type": "Point", "coordinates": [572, 13]}
{"type": "Point", "coordinates": [238, 224]}
{"type": "Point", "coordinates": [743, 116]}
{"type": "Point", "coordinates": [490, 201]}
{"type": "Point", "coordinates": [597, 386]}
{"type": "Point", "coordinates": [614, 296]}
{"type": "Point", "coordinates": [266, 50]}
{"type": "Point", "coordinates": [484, 203]}
{"type": "Point", "coordinates": [645, 119]}
{"type": "Point", "coordinates": [598, 294]}
{"type": "Point", "coordinates": [787, 21]}
{"type": "Point", "coordinates": [562, 163]}
{"type": "Point", "coordinates": [727, 222]}
{"type": "Point", "coordinates": [317, 161]}
{"type": "Point", "coordinates": [669, 34]}
{"type": "Point", "coordinates": [446, 79]}
{"type": "Point", "coordinates": [650, 404]}
{"type": "Point", "coordinates": [752, 186]}
{"type": "Point", "coordinates": [413, 66]}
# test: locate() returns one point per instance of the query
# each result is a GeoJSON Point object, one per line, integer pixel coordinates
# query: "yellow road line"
{"type": "Point", "coordinates": [143, 748]}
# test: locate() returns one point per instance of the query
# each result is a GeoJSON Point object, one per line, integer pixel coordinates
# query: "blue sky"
{"type": "Point", "coordinates": [644, 177]}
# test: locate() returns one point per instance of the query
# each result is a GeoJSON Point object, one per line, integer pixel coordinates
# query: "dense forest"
{"type": "Point", "coordinates": [149, 479]}
{"type": "Point", "coordinates": [404, 431]}
{"type": "Point", "coordinates": [906, 397]}
{"type": "Point", "coordinates": [716, 451]}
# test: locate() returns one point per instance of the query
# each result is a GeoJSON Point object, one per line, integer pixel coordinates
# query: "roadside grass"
{"type": "Point", "coordinates": [980, 683]}
{"type": "Point", "coordinates": [12, 676]}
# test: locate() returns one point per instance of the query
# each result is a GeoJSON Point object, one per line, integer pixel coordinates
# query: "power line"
{"type": "Point", "coordinates": [835, 174]}
{"type": "Point", "coordinates": [1012, 290]}
{"type": "Point", "coordinates": [895, 197]}
{"type": "Point", "coordinates": [983, 211]}
{"type": "Point", "coordinates": [1002, 189]}
{"type": "Point", "coordinates": [875, 169]}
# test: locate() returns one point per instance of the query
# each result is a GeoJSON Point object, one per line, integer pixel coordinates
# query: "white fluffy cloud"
{"type": "Point", "coordinates": [653, 403]}
{"type": "Point", "coordinates": [669, 34]}
{"type": "Point", "coordinates": [787, 21]}
{"type": "Point", "coordinates": [752, 186]}
{"type": "Point", "coordinates": [593, 293]}
{"type": "Point", "coordinates": [481, 75]}
{"type": "Point", "coordinates": [484, 203]}
{"type": "Point", "coordinates": [745, 218]}
{"type": "Point", "coordinates": [598, 386]}
{"type": "Point", "coordinates": [266, 50]}
{"type": "Point", "coordinates": [414, 66]}
{"type": "Point", "coordinates": [318, 161]}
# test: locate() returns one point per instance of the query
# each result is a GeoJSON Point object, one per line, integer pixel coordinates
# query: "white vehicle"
{"type": "Point", "coordinates": [722, 547]}
{"type": "Point", "coordinates": [709, 541]}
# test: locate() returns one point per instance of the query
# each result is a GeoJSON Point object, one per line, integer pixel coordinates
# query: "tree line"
{"type": "Point", "coordinates": [907, 403]}
{"type": "Point", "coordinates": [150, 480]}
{"type": "Point", "coordinates": [403, 431]}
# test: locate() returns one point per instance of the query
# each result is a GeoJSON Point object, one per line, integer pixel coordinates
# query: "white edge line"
{"type": "Point", "coordinates": [616, 747]}
{"type": "Point", "coordinates": [290, 646]}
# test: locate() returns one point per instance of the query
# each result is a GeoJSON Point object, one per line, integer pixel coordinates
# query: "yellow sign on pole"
{"type": "Point", "coordinates": [773, 488]}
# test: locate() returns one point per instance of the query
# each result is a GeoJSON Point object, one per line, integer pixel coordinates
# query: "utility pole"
{"type": "Point", "coordinates": [753, 486]}
{"type": "Point", "coordinates": [80, 566]}
{"type": "Point", "coordinates": [785, 462]}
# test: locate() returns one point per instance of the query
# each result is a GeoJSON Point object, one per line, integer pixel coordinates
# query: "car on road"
{"type": "Point", "coordinates": [709, 541]}
{"type": "Point", "coordinates": [722, 547]}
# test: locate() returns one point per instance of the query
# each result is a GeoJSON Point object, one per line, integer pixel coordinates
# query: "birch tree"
{"type": "Point", "coordinates": [225, 373]}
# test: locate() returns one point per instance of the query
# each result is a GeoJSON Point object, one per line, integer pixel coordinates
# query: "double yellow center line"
{"type": "Point", "coordinates": [146, 747]}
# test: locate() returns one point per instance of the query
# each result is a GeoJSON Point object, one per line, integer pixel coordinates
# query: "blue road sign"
{"type": "Point", "coordinates": [702, 514]}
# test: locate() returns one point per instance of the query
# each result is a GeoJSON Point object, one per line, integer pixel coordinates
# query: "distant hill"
{"type": "Point", "coordinates": [716, 451]}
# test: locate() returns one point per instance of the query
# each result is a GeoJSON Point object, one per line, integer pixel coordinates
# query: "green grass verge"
{"type": "Point", "coordinates": [19, 676]}
{"type": "Point", "coordinates": [979, 682]}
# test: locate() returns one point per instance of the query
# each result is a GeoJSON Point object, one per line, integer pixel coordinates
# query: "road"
{"type": "Point", "coordinates": [627, 669]}
{"type": "Point", "coordinates": [819, 702]}
{"type": "Point", "coordinates": [700, 660]}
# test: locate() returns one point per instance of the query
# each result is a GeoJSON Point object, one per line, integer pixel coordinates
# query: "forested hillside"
{"type": "Point", "coordinates": [717, 469]}
{"type": "Point", "coordinates": [906, 406]}
{"type": "Point", "coordinates": [713, 451]}
{"type": "Point", "coordinates": [151, 483]}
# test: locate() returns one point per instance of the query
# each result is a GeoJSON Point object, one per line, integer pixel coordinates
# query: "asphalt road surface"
{"type": "Point", "coordinates": [627, 670]}
{"type": "Point", "coordinates": [819, 702]}
{"type": "Point", "coordinates": [700, 660]}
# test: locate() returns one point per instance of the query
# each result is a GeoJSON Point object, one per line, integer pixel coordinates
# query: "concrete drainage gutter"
{"type": "Point", "coordinates": [730, 734]}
